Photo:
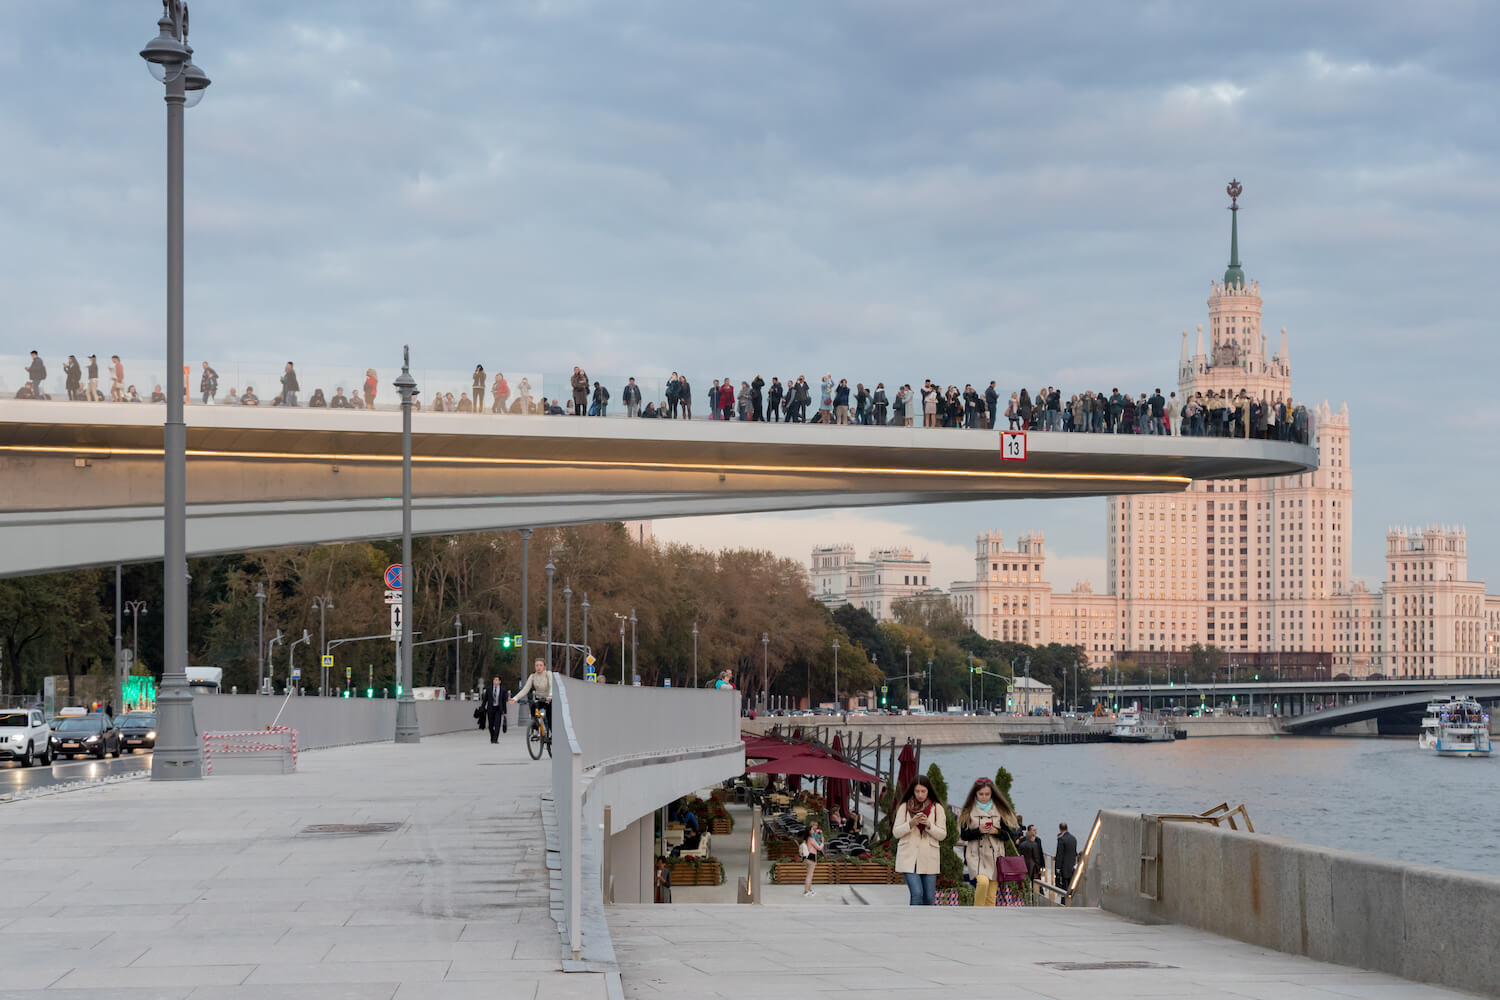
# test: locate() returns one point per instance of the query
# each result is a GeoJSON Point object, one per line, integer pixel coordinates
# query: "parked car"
{"type": "Point", "coordinates": [92, 734]}
{"type": "Point", "coordinates": [137, 731]}
{"type": "Point", "coordinates": [24, 736]}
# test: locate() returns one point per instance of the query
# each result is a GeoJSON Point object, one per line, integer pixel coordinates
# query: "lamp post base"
{"type": "Point", "coordinates": [178, 755]}
{"type": "Point", "coordinates": [408, 729]}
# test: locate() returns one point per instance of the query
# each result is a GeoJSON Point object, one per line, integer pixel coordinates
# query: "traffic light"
{"type": "Point", "coordinates": [398, 690]}
{"type": "Point", "coordinates": [346, 692]}
{"type": "Point", "coordinates": [504, 641]}
{"type": "Point", "coordinates": [1257, 676]}
{"type": "Point", "coordinates": [369, 692]}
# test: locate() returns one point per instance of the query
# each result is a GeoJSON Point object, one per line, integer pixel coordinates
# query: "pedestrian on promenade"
{"type": "Point", "coordinates": [880, 404]}
{"type": "Point", "coordinates": [757, 398]}
{"type": "Point", "coordinates": [289, 386]}
{"type": "Point", "coordinates": [1036, 856]}
{"type": "Point", "coordinates": [92, 392]}
{"type": "Point", "coordinates": [35, 373]}
{"type": "Point", "coordinates": [1065, 859]}
{"type": "Point", "coordinates": [73, 378]}
{"type": "Point", "coordinates": [921, 824]}
{"type": "Point", "coordinates": [985, 822]}
{"type": "Point", "coordinates": [249, 398]}
{"type": "Point", "coordinates": [632, 399]}
{"type": "Point", "coordinates": [812, 846]}
{"type": "Point", "coordinates": [501, 392]}
{"type": "Point", "coordinates": [116, 379]}
{"type": "Point", "coordinates": [725, 681]}
{"type": "Point", "coordinates": [773, 400]}
{"type": "Point", "coordinates": [663, 880]}
{"type": "Point", "coordinates": [208, 383]}
{"type": "Point", "coordinates": [825, 407]}
{"type": "Point", "coordinates": [600, 407]}
{"type": "Point", "coordinates": [726, 400]}
{"type": "Point", "coordinates": [493, 704]}
{"type": "Point", "coordinates": [371, 384]}
{"type": "Point", "coordinates": [580, 384]}
{"type": "Point", "coordinates": [479, 383]}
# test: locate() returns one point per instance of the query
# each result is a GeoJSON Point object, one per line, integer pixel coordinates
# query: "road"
{"type": "Point", "coordinates": [15, 778]}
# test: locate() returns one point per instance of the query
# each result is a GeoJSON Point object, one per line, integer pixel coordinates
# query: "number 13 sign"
{"type": "Point", "coordinates": [1013, 446]}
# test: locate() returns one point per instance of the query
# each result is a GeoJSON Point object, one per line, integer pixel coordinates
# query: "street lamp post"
{"type": "Point", "coordinates": [567, 628]}
{"type": "Point", "coordinates": [321, 604]}
{"type": "Point", "coordinates": [836, 705]}
{"type": "Point", "coordinates": [635, 667]}
{"type": "Point", "coordinates": [551, 569]}
{"type": "Point", "coordinates": [458, 627]}
{"type": "Point", "coordinates": [907, 686]}
{"type": "Point", "coordinates": [586, 623]}
{"type": "Point", "coordinates": [178, 754]}
{"type": "Point", "coordinates": [695, 654]}
{"type": "Point", "coordinates": [622, 646]}
{"type": "Point", "coordinates": [119, 645]}
{"type": "Point", "coordinates": [271, 663]}
{"type": "Point", "coordinates": [291, 653]}
{"type": "Point", "coordinates": [929, 684]}
{"type": "Point", "coordinates": [971, 682]}
{"type": "Point", "coordinates": [408, 729]}
{"type": "Point", "coordinates": [525, 599]}
{"type": "Point", "coordinates": [765, 671]}
{"type": "Point", "coordinates": [260, 638]}
{"type": "Point", "coordinates": [136, 609]}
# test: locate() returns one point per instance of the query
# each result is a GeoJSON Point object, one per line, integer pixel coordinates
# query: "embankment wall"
{"type": "Point", "coordinates": [1419, 922]}
{"type": "Point", "coordinates": [328, 722]}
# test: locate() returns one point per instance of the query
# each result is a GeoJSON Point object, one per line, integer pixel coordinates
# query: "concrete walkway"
{"type": "Point", "coordinates": [214, 890]}
{"type": "Point", "coordinates": [774, 952]}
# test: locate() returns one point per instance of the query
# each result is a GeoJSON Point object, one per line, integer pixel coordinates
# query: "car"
{"type": "Point", "coordinates": [86, 734]}
{"type": "Point", "coordinates": [137, 731]}
{"type": "Point", "coordinates": [24, 736]}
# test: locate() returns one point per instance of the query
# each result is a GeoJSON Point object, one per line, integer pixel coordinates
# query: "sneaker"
{"type": "Point", "coordinates": [808, 892]}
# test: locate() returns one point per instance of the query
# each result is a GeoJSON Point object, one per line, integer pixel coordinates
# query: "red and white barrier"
{"type": "Point", "coordinates": [272, 750]}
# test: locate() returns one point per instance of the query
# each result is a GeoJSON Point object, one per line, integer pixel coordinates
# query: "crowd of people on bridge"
{"type": "Point", "coordinates": [791, 400]}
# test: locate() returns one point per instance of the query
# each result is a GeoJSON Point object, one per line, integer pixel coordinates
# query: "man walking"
{"type": "Point", "coordinates": [36, 372]}
{"type": "Point", "coordinates": [601, 400]}
{"type": "Point", "coordinates": [1066, 857]}
{"type": "Point", "coordinates": [773, 399]}
{"type": "Point", "coordinates": [494, 705]}
{"type": "Point", "coordinates": [289, 386]}
{"type": "Point", "coordinates": [992, 402]}
{"type": "Point", "coordinates": [92, 392]}
{"type": "Point", "coordinates": [208, 384]}
{"type": "Point", "coordinates": [632, 398]}
{"type": "Point", "coordinates": [674, 393]}
{"type": "Point", "coordinates": [580, 383]}
{"type": "Point", "coordinates": [1158, 413]}
{"type": "Point", "coordinates": [757, 387]}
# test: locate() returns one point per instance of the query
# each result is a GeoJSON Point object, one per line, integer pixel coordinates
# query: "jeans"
{"type": "Point", "coordinates": [289, 397]}
{"type": "Point", "coordinates": [923, 888]}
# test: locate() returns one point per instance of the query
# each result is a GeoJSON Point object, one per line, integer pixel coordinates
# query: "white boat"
{"type": "Point", "coordinates": [1427, 739]}
{"type": "Point", "coordinates": [1463, 730]}
{"type": "Point", "coordinates": [1131, 728]}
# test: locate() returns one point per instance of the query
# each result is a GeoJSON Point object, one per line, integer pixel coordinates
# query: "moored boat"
{"type": "Point", "coordinates": [1131, 727]}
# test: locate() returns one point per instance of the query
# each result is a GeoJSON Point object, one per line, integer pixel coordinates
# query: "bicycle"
{"type": "Point", "coordinates": [538, 735]}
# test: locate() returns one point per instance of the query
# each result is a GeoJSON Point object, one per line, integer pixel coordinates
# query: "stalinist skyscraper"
{"type": "Point", "coordinates": [1243, 565]}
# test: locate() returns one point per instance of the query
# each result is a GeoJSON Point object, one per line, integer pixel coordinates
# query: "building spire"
{"type": "Point", "coordinates": [1234, 277]}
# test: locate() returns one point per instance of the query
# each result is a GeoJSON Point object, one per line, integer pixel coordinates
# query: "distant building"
{"type": "Point", "coordinates": [875, 584]}
{"type": "Point", "coordinates": [640, 532]}
{"type": "Point", "coordinates": [1031, 695]}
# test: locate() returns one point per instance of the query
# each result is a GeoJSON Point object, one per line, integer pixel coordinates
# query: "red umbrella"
{"type": "Point", "coordinates": [837, 789]}
{"type": "Point", "coordinates": [814, 765]}
{"type": "Point", "coordinates": [907, 773]}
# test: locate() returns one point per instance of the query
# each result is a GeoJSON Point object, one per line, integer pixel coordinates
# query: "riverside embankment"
{"type": "Point", "coordinates": [944, 730]}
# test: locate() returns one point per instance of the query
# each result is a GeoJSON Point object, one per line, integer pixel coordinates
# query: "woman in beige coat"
{"type": "Point", "coordinates": [921, 824]}
{"type": "Point", "coordinates": [985, 822]}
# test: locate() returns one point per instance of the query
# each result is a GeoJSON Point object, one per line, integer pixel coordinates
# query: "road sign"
{"type": "Point", "coordinates": [348, 674]}
{"type": "Point", "coordinates": [589, 674]}
{"type": "Point", "coordinates": [393, 576]}
{"type": "Point", "coordinates": [395, 623]}
{"type": "Point", "coordinates": [393, 597]}
{"type": "Point", "coordinates": [296, 673]}
{"type": "Point", "coordinates": [126, 657]}
{"type": "Point", "coordinates": [666, 682]}
{"type": "Point", "coordinates": [637, 681]}
{"type": "Point", "coordinates": [1013, 446]}
{"type": "Point", "coordinates": [327, 659]}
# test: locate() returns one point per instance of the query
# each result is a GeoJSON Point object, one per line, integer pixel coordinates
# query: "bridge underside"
{"type": "Point", "coordinates": [89, 493]}
{"type": "Point", "coordinates": [1378, 708]}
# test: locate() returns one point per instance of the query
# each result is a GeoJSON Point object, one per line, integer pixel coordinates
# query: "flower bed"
{"type": "Point", "coordinates": [781, 849]}
{"type": "Point", "coordinates": [693, 871]}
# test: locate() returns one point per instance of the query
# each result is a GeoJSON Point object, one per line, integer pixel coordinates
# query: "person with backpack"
{"type": "Point", "coordinates": [810, 848]}
{"type": "Point", "coordinates": [601, 401]}
{"type": "Point", "coordinates": [36, 373]}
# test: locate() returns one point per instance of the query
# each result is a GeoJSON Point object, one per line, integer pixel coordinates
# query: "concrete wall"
{"type": "Point", "coordinates": [327, 722]}
{"type": "Point", "coordinates": [1422, 923]}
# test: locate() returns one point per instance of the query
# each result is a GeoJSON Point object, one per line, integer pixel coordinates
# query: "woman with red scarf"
{"type": "Point", "coordinates": [921, 824]}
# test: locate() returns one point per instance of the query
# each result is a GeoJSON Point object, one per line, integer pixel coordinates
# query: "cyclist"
{"type": "Point", "coordinates": [538, 688]}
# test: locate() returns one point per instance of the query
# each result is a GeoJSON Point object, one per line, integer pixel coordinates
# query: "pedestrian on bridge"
{"type": "Point", "coordinates": [1065, 859]}
{"type": "Point", "coordinates": [580, 384]}
{"type": "Point", "coordinates": [479, 384]}
{"type": "Point", "coordinates": [289, 386]}
{"type": "Point", "coordinates": [35, 373]}
{"type": "Point", "coordinates": [494, 704]}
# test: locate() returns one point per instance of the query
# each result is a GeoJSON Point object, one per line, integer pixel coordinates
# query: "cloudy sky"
{"type": "Point", "coordinates": [887, 189]}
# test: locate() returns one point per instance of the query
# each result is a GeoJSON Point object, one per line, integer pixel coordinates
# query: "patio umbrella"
{"type": "Point", "coordinates": [836, 790]}
{"type": "Point", "coordinates": [907, 773]}
{"type": "Point", "coordinates": [813, 765]}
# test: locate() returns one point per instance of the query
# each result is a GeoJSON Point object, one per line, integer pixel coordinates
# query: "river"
{"type": "Point", "coordinates": [1377, 796]}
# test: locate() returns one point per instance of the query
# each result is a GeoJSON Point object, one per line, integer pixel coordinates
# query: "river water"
{"type": "Point", "coordinates": [1378, 796]}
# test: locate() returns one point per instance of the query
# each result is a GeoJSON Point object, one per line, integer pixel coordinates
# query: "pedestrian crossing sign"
{"type": "Point", "coordinates": [327, 659]}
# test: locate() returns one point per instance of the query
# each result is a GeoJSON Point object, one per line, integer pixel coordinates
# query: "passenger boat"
{"type": "Point", "coordinates": [1427, 739]}
{"type": "Point", "coordinates": [1131, 728]}
{"type": "Point", "coordinates": [1463, 730]}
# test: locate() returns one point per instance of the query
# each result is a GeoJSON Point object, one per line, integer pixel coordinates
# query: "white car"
{"type": "Point", "coordinates": [24, 736]}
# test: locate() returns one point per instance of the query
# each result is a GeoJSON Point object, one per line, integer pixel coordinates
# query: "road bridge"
{"type": "Point", "coordinates": [264, 476]}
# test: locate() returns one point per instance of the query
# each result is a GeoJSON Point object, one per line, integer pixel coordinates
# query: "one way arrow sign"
{"type": "Point", "coordinates": [395, 623]}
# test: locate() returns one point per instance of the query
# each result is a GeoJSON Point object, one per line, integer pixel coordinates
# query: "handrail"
{"type": "Point", "coordinates": [569, 766]}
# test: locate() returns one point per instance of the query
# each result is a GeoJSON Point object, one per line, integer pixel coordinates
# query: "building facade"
{"type": "Point", "coordinates": [1259, 568]}
{"type": "Point", "coordinates": [874, 584]}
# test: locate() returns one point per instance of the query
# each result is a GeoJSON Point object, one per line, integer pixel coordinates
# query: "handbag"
{"type": "Point", "coordinates": [1010, 868]}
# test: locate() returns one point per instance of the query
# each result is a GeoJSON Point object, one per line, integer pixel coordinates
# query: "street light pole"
{"type": "Point", "coordinates": [929, 683]}
{"type": "Point", "coordinates": [695, 654]}
{"type": "Point", "coordinates": [586, 622]}
{"type": "Point", "coordinates": [260, 638]}
{"type": "Point", "coordinates": [408, 729]}
{"type": "Point", "coordinates": [178, 754]}
{"type": "Point", "coordinates": [119, 645]}
{"type": "Point", "coordinates": [906, 687]}
{"type": "Point", "coordinates": [971, 682]}
{"type": "Point", "coordinates": [525, 599]}
{"type": "Point", "coordinates": [321, 604]}
{"type": "Point", "coordinates": [622, 646]}
{"type": "Point", "coordinates": [551, 569]}
{"type": "Point", "coordinates": [136, 609]}
{"type": "Point", "coordinates": [458, 627]}
{"type": "Point", "coordinates": [836, 706]}
{"type": "Point", "coordinates": [567, 628]}
{"type": "Point", "coordinates": [635, 667]}
{"type": "Point", "coordinates": [271, 663]}
{"type": "Point", "coordinates": [765, 672]}
{"type": "Point", "coordinates": [291, 653]}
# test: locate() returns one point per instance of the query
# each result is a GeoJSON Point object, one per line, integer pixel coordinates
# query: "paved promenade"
{"type": "Point", "coordinates": [771, 952]}
{"type": "Point", "coordinates": [214, 890]}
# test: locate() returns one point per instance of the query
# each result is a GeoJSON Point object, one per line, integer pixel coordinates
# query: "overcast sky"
{"type": "Point", "coordinates": [887, 189]}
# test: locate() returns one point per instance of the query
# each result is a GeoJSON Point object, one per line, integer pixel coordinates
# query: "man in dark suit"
{"type": "Point", "coordinates": [493, 704]}
{"type": "Point", "coordinates": [1066, 857]}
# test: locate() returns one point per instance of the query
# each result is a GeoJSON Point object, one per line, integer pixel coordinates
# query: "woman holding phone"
{"type": "Point", "coordinates": [921, 824]}
{"type": "Point", "coordinates": [985, 822]}
{"type": "Point", "coordinates": [812, 848]}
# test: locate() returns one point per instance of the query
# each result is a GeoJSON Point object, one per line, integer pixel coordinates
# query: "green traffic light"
{"type": "Point", "coordinates": [369, 692]}
{"type": "Point", "coordinates": [398, 690]}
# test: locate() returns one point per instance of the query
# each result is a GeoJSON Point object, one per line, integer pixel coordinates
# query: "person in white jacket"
{"type": "Point", "coordinates": [539, 686]}
{"type": "Point", "coordinates": [920, 825]}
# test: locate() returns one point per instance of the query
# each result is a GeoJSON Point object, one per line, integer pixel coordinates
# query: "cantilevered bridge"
{"type": "Point", "coordinates": [85, 479]}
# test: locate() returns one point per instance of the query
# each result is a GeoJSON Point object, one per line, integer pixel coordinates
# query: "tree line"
{"type": "Point", "coordinates": [63, 623]}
